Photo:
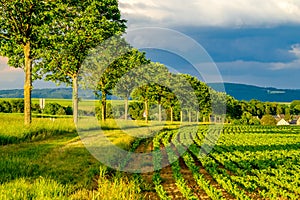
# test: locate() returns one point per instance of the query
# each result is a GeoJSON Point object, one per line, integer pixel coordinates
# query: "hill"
{"type": "Point", "coordinates": [248, 92]}
{"type": "Point", "coordinates": [51, 93]}
{"type": "Point", "coordinates": [238, 91]}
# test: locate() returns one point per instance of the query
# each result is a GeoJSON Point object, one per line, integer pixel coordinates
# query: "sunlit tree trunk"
{"type": "Point", "coordinates": [181, 116]}
{"type": "Point", "coordinates": [103, 106]}
{"type": "Point", "coordinates": [171, 114]}
{"type": "Point", "coordinates": [146, 111]}
{"type": "Point", "coordinates": [75, 99]}
{"type": "Point", "coordinates": [27, 85]}
{"type": "Point", "coordinates": [126, 107]}
{"type": "Point", "coordinates": [159, 112]}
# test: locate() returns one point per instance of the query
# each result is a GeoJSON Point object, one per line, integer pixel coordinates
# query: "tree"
{"type": "Point", "coordinates": [268, 120]}
{"type": "Point", "coordinates": [125, 82]}
{"type": "Point", "coordinates": [80, 26]}
{"type": "Point", "coordinates": [104, 68]}
{"type": "Point", "coordinates": [23, 26]}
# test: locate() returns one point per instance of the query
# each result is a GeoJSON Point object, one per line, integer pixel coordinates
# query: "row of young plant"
{"type": "Point", "coordinates": [157, 162]}
{"type": "Point", "coordinates": [185, 140]}
{"type": "Point", "coordinates": [238, 129]}
{"type": "Point", "coordinates": [220, 175]}
{"type": "Point", "coordinates": [175, 143]}
{"type": "Point", "coordinates": [271, 168]}
{"type": "Point", "coordinates": [173, 153]}
{"type": "Point", "coordinates": [251, 159]}
{"type": "Point", "coordinates": [245, 165]}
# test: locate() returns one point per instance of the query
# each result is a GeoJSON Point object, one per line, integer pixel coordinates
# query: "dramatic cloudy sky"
{"type": "Point", "coordinates": [251, 41]}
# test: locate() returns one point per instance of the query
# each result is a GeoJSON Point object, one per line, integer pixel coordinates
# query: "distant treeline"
{"type": "Point", "coordinates": [17, 106]}
{"type": "Point", "coordinates": [48, 93]}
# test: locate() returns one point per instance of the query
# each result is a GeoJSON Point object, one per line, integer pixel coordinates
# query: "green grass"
{"type": "Point", "coordinates": [49, 161]}
{"type": "Point", "coordinates": [12, 129]}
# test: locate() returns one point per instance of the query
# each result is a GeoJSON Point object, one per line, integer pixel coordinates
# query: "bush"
{"type": "Point", "coordinates": [54, 109]}
{"type": "Point", "coordinates": [17, 106]}
{"type": "Point", "coordinates": [136, 110]}
{"type": "Point", "coordinates": [5, 107]}
{"type": "Point", "coordinates": [98, 111]}
{"type": "Point", "coordinates": [35, 108]}
{"type": "Point", "coordinates": [69, 110]}
{"type": "Point", "coordinates": [268, 120]}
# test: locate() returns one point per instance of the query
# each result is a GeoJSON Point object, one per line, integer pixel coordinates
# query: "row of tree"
{"type": "Point", "coordinates": [79, 43]}
{"type": "Point", "coordinates": [52, 38]}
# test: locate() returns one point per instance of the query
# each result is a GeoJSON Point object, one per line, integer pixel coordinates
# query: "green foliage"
{"type": "Point", "coordinates": [268, 120]}
{"type": "Point", "coordinates": [295, 107]}
{"type": "Point", "coordinates": [5, 107]}
{"type": "Point", "coordinates": [54, 164]}
{"type": "Point", "coordinates": [57, 109]}
{"type": "Point", "coordinates": [136, 110]}
{"type": "Point", "coordinates": [24, 32]}
{"type": "Point", "coordinates": [109, 111]}
{"type": "Point", "coordinates": [39, 189]}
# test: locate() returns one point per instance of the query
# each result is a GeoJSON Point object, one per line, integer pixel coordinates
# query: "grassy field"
{"type": "Point", "coordinates": [50, 161]}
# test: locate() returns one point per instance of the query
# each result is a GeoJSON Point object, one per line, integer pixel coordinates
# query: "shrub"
{"type": "Point", "coordinates": [5, 107]}
{"type": "Point", "coordinates": [17, 106]}
{"type": "Point", "coordinates": [35, 108]}
{"type": "Point", "coordinates": [61, 111]}
{"type": "Point", "coordinates": [69, 110]}
{"type": "Point", "coordinates": [136, 110]}
{"type": "Point", "coordinates": [98, 111]}
{"type": "Point", "coordinates": [51, 108]}
{"type": "Point", "coordinates": [268, 120]}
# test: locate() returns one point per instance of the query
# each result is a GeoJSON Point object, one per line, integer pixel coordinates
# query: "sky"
{"type": "Point", "coordinates": [250, 41]}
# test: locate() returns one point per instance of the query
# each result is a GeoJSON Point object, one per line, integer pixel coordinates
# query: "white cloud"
{"type": "Point", "coordinates": [280, 75]}
{"type": "Point", "coordinates": [295, 64]}
{"type": "Point", "coordinates": [210, 13]}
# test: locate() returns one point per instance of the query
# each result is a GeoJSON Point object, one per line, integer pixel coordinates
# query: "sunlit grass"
{"type": "Point", "coordinates": [40, 188]}
{"type": "Point", "coordinates": [49, 161]}
{"type": "Point", "coordinates": [13, 130]}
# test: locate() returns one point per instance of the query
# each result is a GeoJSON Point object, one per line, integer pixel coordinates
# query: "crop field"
{"type": "Point", "coordinates": [49, 161]}
{"type": "Point", "coordinates": [246, 163]}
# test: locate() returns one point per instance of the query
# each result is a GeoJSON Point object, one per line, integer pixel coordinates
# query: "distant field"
{"type": "Point", "coordinates": [85, 104]}
{"type": "Point", "coordinates": [68, 102]}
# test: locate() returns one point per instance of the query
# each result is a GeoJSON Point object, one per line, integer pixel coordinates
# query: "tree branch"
{"type": "Point", "coordinates": [4, 36]}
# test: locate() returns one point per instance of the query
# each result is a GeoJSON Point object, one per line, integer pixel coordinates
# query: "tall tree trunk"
{"type": "Point", "coordinates": [159, 112]}
{"type": "Point", "coordinates": [190, 116]}
{"type": "Point", "coordinates": [75, 99]}
{"type": "Point", "coordinates": [181, 116]}
{"type": "Point", "coordinates": [126, 107]}
{"type": "Point", "coordinates": [197, 117]}
{"type": "Point", "coordinates": [103, 106]}
{"type": "Point", "coordinates": [146, 111]}
{"type": "Point", "coordinates": [27, 85]}
{"type": "Point", "coordinates": [171, 114]}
